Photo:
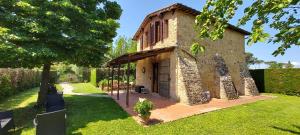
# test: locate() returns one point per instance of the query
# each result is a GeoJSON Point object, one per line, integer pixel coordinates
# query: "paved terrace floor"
{"type": "Point", "coordinates": [166, 110]}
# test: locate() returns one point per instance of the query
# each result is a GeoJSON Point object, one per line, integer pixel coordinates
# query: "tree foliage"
{"type": "Point", "coordinates": [251, 60]}
{"type": "Point", "coordinates": [274, 65]}
{"type": "Point", "coordinates": [41, 32]}
{"type": "Point", "coordinates": [281, 15]}
{"type": "Point", "coordinates": [33, 32]}
{"type": "Point", "coordinates": [122, 46]}
{"type": "Point", "coordinates": [289, 65]}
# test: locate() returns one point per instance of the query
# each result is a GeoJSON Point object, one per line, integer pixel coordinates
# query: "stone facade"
{"type": "Point", "coordinates": [190, 80]}
{"type": "Point", "coordinates": [219, 72]}
{"type": "Point", "coordinates": [227, 89]}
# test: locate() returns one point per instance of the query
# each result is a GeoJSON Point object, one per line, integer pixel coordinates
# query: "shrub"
{"type": "Point", "coordinates": [16, 80]}
{"type": "Point", "coordinates": [103, 83]}
{"type": "Point", "coordinates": [6, 87]}
{"type": "Point", "coordinates": [69, 77]}
{"type": "Point", "coordinates": [283, 81]}
{"type": "Point", "coordinates": [143, 108]}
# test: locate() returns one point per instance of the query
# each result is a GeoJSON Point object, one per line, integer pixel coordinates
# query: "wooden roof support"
{"type": "Point", "coordinates": [132, 57]}
{"type": "Point", "coordinates": [127, 90]}
{"type": "Point", "coordinates": [108, 80]}
{"type": "Point", "coordinates": [112, 80]}
{"type": "Point", "coordinates": [118, 98]}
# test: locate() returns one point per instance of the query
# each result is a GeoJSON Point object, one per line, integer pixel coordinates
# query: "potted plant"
{"type": "Point", "coordinates": [143, 108]}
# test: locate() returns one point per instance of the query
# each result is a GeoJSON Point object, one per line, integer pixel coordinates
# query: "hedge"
{"type": "Point", "coordinates": [93, 77]}
{"type": "Point", "coordinates": [283, 81]}
{"type": "Point", "coordinates": [16, 80]}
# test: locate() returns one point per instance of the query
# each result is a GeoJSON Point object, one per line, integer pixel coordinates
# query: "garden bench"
{"type": "Point", "coordinates": [6, 122]}
{"type": "Point", "coordinates": [51, 123]}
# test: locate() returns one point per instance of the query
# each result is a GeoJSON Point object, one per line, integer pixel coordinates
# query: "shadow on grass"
{"type": "Point", "coordinates": [288, 130]}
{"type": "Point", "coordinates": [23, 118]}
{"type": "Point", "coordinates": [82, 111]}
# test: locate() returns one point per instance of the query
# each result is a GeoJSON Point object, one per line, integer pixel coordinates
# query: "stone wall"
{"type": "Point", "coordinates": [171, 40]}
{"type": "Point", "coordinates": [194, 79]}
{"type": "Point", "coordinates": [146, 79]}
{"type": "Point", "coordinates": [248, 82]}
{"type": "Point", "coordinates": [190, 83]}
{"type": "Point", "coordinates": [230, 48]}
{"type": "Point", "coordinates": [227, 89]}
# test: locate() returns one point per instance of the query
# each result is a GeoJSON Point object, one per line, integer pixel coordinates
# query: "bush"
{"type": "Point", "coordinates": [16, 80]}
{"type": "Point", "coordinates": [103, 83]}
{"type": "Point", "coordinates": [69, 77]}
{"type": "Point", "coordinates": [143, 108]}
{"type": "Point", "coordinates": [283, 81]}
{"type": "Point", "coordinates": [6, 87]}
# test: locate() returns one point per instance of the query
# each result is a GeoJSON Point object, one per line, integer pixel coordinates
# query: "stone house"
{"type": "Point", "coordinates": [165, 66]}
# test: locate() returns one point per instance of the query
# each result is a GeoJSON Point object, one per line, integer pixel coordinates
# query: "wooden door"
{"type": "Point", "coordinates": [164, 78]}
{"type": "Point", "coordinates": [155, 78]}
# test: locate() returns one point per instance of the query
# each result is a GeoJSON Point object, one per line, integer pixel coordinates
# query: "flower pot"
{"type": "Point", "coordinates": [145, 119]}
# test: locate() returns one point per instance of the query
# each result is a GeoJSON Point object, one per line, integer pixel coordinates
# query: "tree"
{"type": "Point", "coordinates": [281, 15]}
{"type": "Point", "coordinates": [251, 60]}
{"type": "Point", "coordinates": [37, 33]}
{"type": "Point", "coordinates": [121, 47]}
{"type": "Point", "coordinates": [274, 65]}
{"type": "Point", "coordinates": [289, 65]}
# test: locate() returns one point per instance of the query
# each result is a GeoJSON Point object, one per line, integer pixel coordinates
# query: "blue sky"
{"type": "Point", "coordinates": [134, 12]}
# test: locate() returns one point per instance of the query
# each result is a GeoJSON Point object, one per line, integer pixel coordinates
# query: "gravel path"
{"type": "Point", "coordinates": [68, 89]}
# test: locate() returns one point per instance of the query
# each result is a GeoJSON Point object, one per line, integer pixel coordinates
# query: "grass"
{"type": "Point", "coordinates": [86, 88]}
{"type": "Point", "coordinates": [58, 87]}
{"type": "Point", "coordinates": [94, 115]}
{"type": "Point", "coordinates": [22, 105]}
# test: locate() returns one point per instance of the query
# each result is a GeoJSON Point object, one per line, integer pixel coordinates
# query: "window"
{"type": "Point", "coordinates": [166, 29]}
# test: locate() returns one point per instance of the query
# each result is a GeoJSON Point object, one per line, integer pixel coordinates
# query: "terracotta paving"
{"type": "Point", "coordinates": [166, 110]}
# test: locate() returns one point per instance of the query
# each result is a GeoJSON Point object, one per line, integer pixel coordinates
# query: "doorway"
{"type": "Point", "coordinates": [161, 78]}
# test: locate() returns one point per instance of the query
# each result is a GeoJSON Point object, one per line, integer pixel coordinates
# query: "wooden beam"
{"type": "Point", "coordinates": [127, 90]}
{"type": "Point", "coordinates": [112, 80]}
{"type": "Point", "coordinates": [119, 66]}
{"type": "Point", "coordinates": [108, 80]}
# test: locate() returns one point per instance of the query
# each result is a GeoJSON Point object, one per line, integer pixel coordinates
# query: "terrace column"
{"type": "Point", "coordinates": [108, 80]}
{"type": "Point", "coordinates": [112, 80]}
{"type": "Point", "coordinates": [119, 66]}
{"type": "Point", "coordinates": [127, 91]}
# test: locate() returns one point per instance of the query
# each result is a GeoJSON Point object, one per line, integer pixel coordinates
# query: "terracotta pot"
{"type": "Point", "coordinates": [145, 119]}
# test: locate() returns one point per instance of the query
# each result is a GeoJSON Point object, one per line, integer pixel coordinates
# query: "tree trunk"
{"type": "Point", "coordinates": [44, 84]}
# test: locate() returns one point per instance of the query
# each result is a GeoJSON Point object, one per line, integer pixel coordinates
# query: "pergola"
{"type": "Point", "coordinates": [127, 59]}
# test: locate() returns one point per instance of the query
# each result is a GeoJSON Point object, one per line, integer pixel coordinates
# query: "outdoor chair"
{"type": "Point", "coordinates": [6, 122]}
{"type": "Point", "coordinates": [60, 93]}
{"type": "Point", "coordinates": [55, 108]}
{"type": "Point", "coordinates": [52, 89]}
{"type": "Point", "coordinates": [52, 123]}
{"type": "Point", "coordinates": [144, 90]}
{"type": "Point", "coordinates": [54, 99]}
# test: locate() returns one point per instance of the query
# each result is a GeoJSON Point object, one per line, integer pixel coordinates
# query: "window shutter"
{"type": "Point", "coordinates": [141, 42]}
{"type": "Point", "coordinates": [162, 30]}
{"type": "Point", "coordinates": [166, 28]}
{"type": "Point", "coordinates": [149, 37]}
{"type": "Point", "coordinates": [152, 34]}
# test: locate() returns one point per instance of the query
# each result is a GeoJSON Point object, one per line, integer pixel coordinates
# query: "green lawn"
{"type": "Point", "coordinates": [86, 88]}
{"type": "Point", "coordinates": [58, 87]}
{"type": "Point", "coordinates": [94, 115]}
